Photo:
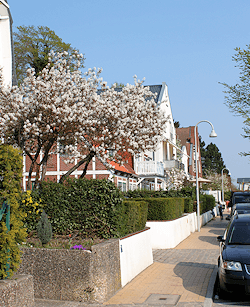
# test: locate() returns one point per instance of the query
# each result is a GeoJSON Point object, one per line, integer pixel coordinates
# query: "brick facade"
{"type": "Point", "coordinates": [123, 175]}
{"type": "Point", "coordinates": [186, 136]}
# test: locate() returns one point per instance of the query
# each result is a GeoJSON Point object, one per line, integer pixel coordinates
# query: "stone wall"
{"type": "Point", "coordinates": [59, 274]}
{"type": "Point", "coordinates": [17, 291]}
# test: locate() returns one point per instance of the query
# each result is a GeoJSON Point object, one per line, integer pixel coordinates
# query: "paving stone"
{"type": "Point", "coordinates": [184, 271]}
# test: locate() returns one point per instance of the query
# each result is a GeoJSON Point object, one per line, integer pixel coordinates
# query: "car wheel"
{"type": "Point", "coordinates": [221, 292]}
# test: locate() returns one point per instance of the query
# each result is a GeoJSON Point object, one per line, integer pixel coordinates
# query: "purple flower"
{"type": "Point", "coordinates": [78, 247]}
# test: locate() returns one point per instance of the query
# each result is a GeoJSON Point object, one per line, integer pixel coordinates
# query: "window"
{"type": "Point", "coordinates": [122, 186]}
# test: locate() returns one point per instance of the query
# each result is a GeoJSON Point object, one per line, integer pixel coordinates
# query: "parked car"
{"type": "Point", "coordinates": [238, 198]}
{"type": "Point", "coordinates": [241, 208]}
{"type": "Point", "coordinates": [234, 259]}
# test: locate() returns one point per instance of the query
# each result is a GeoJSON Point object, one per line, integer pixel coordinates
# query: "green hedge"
{"type": "Point", "coordinates": [10, 190]}
{"type": "Point", "coordinates": [207, 203]}
{"type": "Point", "coordinates": [94, 208]}
{"type": "Point", "coordinates": [188, 205]}
{"type": "Point", "coordinates": [91, 207]}
{"type": "Point", "coordinates": [133, 216]}
{"type": "Point", "coordinates": [164, 208]}
{"type": "Point", "coordinates": [183, 192]}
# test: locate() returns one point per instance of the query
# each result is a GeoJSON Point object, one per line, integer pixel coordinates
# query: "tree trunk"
{"type": "Point", "coordinates": [90, 157]}
{"type": "Point", "coordinates": [87, 160]}
{"type": "Point", "coordinates": [33, 163]}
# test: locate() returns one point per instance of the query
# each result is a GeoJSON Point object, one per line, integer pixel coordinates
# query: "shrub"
{"type": "Point", "coordinates": [165, 208]}
{"type": "Point", "coordinates": [10, 190]}
{"type": "Point", "coordinates": [90, 207]}
{"type": "Point", "coordinates": [133, 216]}
{"type": "Point", "coordinates": [188, 205]}
{"type": "Point", "coordinates": [31, 205]}
{"type": "Point", "coordinates": [207, 203]}
{"type": "Point", "coordinates": [183, 192]}
{"type": "Point", "coordinates": [44, 229]}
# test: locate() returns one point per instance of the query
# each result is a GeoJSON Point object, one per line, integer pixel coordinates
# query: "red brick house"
{"type": "Point", "coordinates": [187, 139]}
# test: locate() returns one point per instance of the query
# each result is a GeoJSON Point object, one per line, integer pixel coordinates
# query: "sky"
{"type": "Point", "coordinates": [187, 44]}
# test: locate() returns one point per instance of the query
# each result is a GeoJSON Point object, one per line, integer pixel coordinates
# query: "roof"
{"type": "Point", "coordinates": [4, 2]}
{"type": "Point", "coordinates": [153, 88]}
{"type": "Point", "coordinates": [125, 167]}
{"type": "Point", "coordinates": [243, 180]}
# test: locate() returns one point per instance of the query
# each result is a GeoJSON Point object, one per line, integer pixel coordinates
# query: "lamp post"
{"type": "Point", "coordinates": [212, 134]}
{"type": "Point", "coordinates": [222, 187]}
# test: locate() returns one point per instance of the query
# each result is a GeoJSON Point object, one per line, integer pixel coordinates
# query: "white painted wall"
{"type": "Point", "coordinates": [206, 217]}
{"type": "Point", "coordinates": [135, 255]}
{"type": "Point", "coordinates": [216, 194]}
{"type": "Point", "coordinates": [136, 249]}
{"type": "Point", "coordinates": [168, 234]}
{"type": "Point", "coordinates": [5, 44]}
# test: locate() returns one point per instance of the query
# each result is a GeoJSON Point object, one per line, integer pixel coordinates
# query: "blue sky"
{"type": "Point", "coordinates": [187, 44]}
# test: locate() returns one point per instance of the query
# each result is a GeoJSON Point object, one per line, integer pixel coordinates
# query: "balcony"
{"type": "Point", "coordinates": [168, 164]}
{"type": "Point", "coordinates": [149, 168]}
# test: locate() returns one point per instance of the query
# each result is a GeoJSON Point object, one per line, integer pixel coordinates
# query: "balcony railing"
{"type": "Point", "coordinates": [149, 168]}
{"type": "Point", "coordinates": [168, 164]}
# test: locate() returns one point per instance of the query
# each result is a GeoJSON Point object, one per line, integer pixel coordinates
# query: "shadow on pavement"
{"type": "Point", "coordinates": [193, 275]}
{"type": "Point", "coordinates": [220, 224]}
{"type": "Point", "coordinates": [217, 232]}
{"type": "Point", "coordinates": [209, 239]}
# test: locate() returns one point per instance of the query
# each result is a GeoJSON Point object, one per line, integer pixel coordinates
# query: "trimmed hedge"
{"type": "Point", "coordinates": [133, 216]}
{"type": "Point", "coordinates": [183, 192]}
{"type": "Point", "coordinates": [160, 209]}
{"type": "Point", "coordinates": [207, 203]}
{"type": "Point", "coordinates": [92, 208]}
{"type": "Point", "coordinates": [188, 205]}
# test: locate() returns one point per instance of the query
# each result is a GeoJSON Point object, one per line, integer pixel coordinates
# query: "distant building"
{"type": "Point", "coordinates": [187, 139]}
{"type": "Point", "coordinates": [6, 45]}
{"type": "Point", "coordinates": [244, 184]}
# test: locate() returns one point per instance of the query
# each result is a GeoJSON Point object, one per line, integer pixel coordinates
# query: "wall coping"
{"type": "Point", "coordinates": [134, 233]}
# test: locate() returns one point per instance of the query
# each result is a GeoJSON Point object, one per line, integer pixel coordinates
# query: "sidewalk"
{"type": "Point", "coordinates": [183, 276]}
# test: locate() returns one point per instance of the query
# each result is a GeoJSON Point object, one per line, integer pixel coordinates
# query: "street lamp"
{"type": "Point", "coordinates": [222, 183]}
{"type": "Point", "coordinates": [212, 135]}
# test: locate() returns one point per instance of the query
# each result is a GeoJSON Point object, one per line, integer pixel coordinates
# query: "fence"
{"type": "Point", "coordinates": [6, 207]}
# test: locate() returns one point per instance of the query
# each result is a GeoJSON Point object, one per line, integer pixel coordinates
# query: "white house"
{"type": "Point", "coordinates": [6, 44]}
{"type": "Point", "coordinates": [151, 166]}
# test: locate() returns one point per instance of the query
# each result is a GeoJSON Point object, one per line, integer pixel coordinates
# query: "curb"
{"type": "Point", "coordinates": [209, 296]}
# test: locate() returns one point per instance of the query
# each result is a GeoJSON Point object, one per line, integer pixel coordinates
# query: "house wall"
{"type": "Point", "coordinates": [186, 136]}
{"type": "Point", "coordinates": [5, 44]}
{"type": "Point", "coordinates": [56, 167]}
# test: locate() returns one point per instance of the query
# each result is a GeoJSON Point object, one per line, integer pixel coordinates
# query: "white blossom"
{"type": "Point", "coordinates": [61, 106]}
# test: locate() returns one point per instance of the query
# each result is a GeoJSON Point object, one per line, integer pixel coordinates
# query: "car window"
{"type": "Point", "coordinates": [241, 199]}
{"type": "Point", "coordinates": [227, 229]}
{"type": "Point", "coordinates": [243, 206]}
{"type": "Point", "coordinates": [239, 234]}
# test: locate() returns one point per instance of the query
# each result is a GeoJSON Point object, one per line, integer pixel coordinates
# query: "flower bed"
{"type": "Point", "coordinates": [62, 242]}
{"type": "Point", "coordinates": [79, 275]}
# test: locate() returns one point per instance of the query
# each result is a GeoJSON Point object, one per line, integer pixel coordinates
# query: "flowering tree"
{"type": "Point", "coordinates": [59, 106]}
{"type": "Point", "coordinates": [216, 182]}
{"type": "Point", "coordinates": [176, 178]}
